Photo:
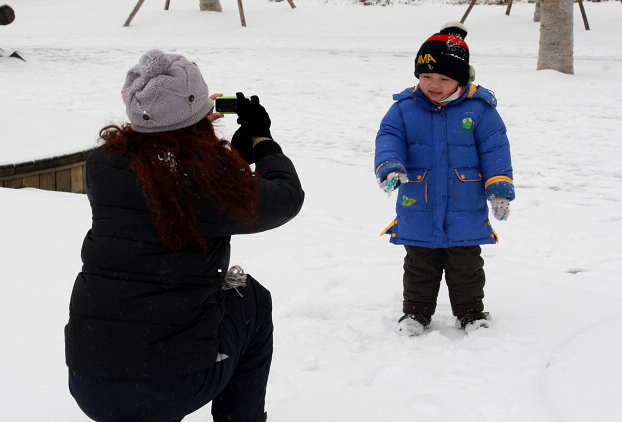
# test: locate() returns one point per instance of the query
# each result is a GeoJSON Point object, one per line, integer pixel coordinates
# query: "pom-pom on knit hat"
{"type": "Point", "coordinates": [165, 92]}
{"type": "Point", "coordinates": [446, 53]}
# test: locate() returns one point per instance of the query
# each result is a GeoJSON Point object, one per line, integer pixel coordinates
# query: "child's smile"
{"type": "Point", "coordinates": [437, 87]}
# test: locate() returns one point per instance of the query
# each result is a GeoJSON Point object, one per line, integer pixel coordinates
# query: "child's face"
{"type": "Point", "coordinates": [437, 87]}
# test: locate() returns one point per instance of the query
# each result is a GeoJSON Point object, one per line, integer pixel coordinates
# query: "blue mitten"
{"type": "Point", "coordinates": [391, 175]}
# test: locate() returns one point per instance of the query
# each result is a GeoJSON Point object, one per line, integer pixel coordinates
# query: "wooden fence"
{"type": "Point", "coordinates": [65, 173]}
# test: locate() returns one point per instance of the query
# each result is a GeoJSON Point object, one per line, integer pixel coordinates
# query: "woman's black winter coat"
{"type": "Point", "coordinates": [139, 310]}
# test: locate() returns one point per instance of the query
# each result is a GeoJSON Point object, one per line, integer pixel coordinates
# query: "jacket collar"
{"type": "Point", "coordinates": [473, 91]}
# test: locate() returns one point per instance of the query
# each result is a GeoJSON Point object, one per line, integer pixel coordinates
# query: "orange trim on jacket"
{"type": "Point", "coordinates": [496, 179]}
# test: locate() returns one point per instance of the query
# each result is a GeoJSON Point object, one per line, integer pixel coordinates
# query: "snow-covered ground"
{"type": "Point", "coordinates": [326, 73]}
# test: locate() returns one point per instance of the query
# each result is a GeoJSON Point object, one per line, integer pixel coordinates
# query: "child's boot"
{"type": "Point", "coordinates": [471, 321]}
{"type": "Point", "coordinates": [413, 324]}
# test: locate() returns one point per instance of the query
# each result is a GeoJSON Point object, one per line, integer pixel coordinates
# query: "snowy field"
{"type": "Point", "coordinates": [326, 73]}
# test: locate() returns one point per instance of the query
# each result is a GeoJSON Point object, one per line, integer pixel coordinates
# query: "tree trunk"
{"type": "Point", "coordinates": [210, 5]}
{"type": "Point", "coordinates": [556, 36]}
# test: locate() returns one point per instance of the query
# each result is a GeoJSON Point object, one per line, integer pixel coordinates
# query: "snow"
{"type": "Point", "coordinates": [326, 73]}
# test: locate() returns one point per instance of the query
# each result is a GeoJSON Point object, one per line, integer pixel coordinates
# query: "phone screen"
{"type": "Point", "coordinates": [225, 105]}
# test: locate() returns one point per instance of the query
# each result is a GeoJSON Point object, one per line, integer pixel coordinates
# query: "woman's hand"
{"type": "Point", "coordinates": [211, 115]}
{"type": "Point", "coordinates": [252, 116]}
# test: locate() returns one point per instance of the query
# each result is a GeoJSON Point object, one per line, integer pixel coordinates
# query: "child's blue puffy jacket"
{"type": "Point", "coordinates": [456, 157]}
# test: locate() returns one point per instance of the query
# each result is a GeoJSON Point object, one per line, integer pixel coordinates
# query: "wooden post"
{"type": "Point", "coordinates": [63, 180]}
{"type": "Point", "coordinates": [587, 25]}
{"type": "Point", "coordinates": [129, 19]}
{"type": "Point", "coordinates": [14, 183]}
{"type": "Point", "coordinates": [47, 181]}
{"type": "Point", "coordinates": [469, 11]}
{"type": "Point", "coordinates": [31, 182]}
{"type": "Point", "coordinates": [241, 9]}
{"type": "Point", "coordinates": [507, 11]}
{"type": "Point", "coordinates": [77, 180]}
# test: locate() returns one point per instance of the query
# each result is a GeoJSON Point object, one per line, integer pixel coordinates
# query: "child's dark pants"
{"type": "Point", "coordinates": [464, 274]}
{"type": "Point", "coordinates": [236, 385]}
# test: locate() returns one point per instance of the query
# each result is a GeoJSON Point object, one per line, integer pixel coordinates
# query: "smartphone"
{"type": "Point", "coordinates": [225, 105]}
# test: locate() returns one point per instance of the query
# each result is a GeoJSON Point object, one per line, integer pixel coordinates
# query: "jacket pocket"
{"type": "Point", "coordinates": [468, 189]}
{"type": "Point", "coordinates": [414, 194]}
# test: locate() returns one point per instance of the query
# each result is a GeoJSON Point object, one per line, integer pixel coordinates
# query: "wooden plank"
{"type": "Point", "coordinates": [44, 164]}
{"type": "Point", "coordinates": [83, 178]}
{"type": "Point", "coordinates": [31, 182]}
{"type": "Point", "coordinates": [25, 167]}
{"type": "Point", "coordinates": [38, 172]}
{"type": "Point", "coordinates": [77, 181]}
{"type": "Point", "coordinates": [63, 180]}
{"type": "Point", "coordinates": [7, 170]}
{"type": "Point", "coordinates": [67, 160]}
{"type": "Point", "coordinates": [14, 183]}
{"type": "Point", "coordinates": [47, 181]}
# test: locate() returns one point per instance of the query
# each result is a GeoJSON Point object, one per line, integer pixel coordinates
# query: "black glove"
{"type": "Point", "coordinates": [252, 116]}
{"type": "Point", "coordinates": [243, 143]}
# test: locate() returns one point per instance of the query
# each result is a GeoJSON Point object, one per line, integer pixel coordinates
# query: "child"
{"type": "Point", "coordinates": [445, 146]}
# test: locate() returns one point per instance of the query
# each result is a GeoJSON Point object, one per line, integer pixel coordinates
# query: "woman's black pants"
{"type": "Point", "coordinates": [235, 384]}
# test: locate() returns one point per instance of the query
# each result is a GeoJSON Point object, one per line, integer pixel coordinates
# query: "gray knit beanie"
{"type": "Point", "coordinates": [164, 92]}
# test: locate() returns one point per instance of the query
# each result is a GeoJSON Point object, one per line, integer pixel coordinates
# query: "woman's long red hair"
{"type": "Point", "coordinates": [174, 167]}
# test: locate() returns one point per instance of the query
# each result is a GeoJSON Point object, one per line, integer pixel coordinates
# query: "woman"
{"type": "Point", "coordinates": [158, 327]}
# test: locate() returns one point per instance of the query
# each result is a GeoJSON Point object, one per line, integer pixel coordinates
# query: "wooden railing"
{"type": "Point", "coordinates": [65, 173]}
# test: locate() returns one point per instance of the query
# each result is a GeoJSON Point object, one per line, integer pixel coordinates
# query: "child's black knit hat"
{"type": "Point", "coordinates": [445, 53]}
